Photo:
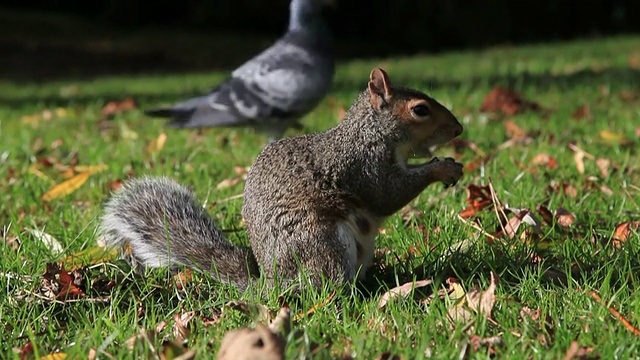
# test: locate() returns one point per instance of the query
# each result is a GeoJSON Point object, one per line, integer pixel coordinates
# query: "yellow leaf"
{"type": "Point", "coordinates": [613, 137]}
{"type": "Point", "coordinates": [66, 187]}
{"type": "Point", "coordinates": [90, 256]}
{"type": "Point", "coordinates": [33, 169]}
{"type": "Point", "coordinates": [157, 144]}
{"type": "Point", "coordinates": [92, 169]}
{"type": "Point", "coordinates": [54, 356]}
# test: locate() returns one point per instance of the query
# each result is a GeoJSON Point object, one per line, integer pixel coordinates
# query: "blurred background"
{"type": "Point", "coordinates": [44, 40]}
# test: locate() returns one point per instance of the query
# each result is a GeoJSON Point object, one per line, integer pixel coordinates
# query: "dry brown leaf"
{"type": "Point", "coordinates": [118, 106]}
{"type": "Point", "coordinates": [512, 225]}
{"type": "Point", "coordinates": [623, 231]}
{"type": "Point", "coordinates": [628, 95]}
{"type": "Point", "coordinates": [583, 112]}
{"type": "Point", "coordinates": [603, 164]}
{"type": "Point", "coordinates": [476, 300]}
{"type": "Point", "coordinates": [228, 183]}
{"type": "Point", "coordinates": [514, 131]}
{"type": "Point", "coordinates": [490, 342]}
{"type": "Point", "coordinates": [529, 313]}
{"type": "Point", "coordinates": [66, 187]}
{"type": "Point", "coordinates": [578, 157]}
{"type": "Point", "coordinates": [564, 217]}
{"type": "Point", "coordinates": [250, 344]}
{"type": "Point", "coordinates": [157, 144]}
{"type": "Point", "coordinates": [543, 159]}
{"type": "Point", "coordinates": [263, 342]}
{"type": "Point", "coordinates": [115, 185]}
{"type": "Point", "coordinates": [479, 197]}
{"type": "Point", "coordinates": [181, 330]}
{"type": "Point", "coordinates": [402, 291]}
{"type": "Point", "coordinates": [507, 101]}
{"type": "Point", "coordinates": [606, 190]}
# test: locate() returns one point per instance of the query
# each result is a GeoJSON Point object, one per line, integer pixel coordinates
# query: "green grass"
{"type": "Point", "coordinates": [546, 274]}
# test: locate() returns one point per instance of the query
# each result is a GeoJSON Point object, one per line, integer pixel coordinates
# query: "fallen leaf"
{"type": "Point", "coordinates": [66, 187]}
{"type": "Point", "coordinates": [628, 95]}
{"type": "Point", "coordinates": [117, 107]}
{"type": "Point", "coordinates": [70, 289]}
{"type": "Point", "coordinates": [614, 137]}
{"type": "Point", "coordinates": [583, 112]}
{"type": "Point", "coordinates": [48, 240]}
{"type": "Point", "coordinates": [90, 256]}
{"type": "Point", "coordinates": [157, 144]}
{"type": "Point", "coordinates": [478, 197]}
{"type": "Point", "coordinates": [115, 185]}
{"type": "Point", "coordinates": [490, 342]}
{"type": "Point", "coordinates": [623, 231]}
{"type": "Point", "coordinates": [476, 300]}
{"type": "Point", "coordinates": [33, 169]}
{"type": "Point", "coordinates": [603, 164]}
{"type": "Point", "coordinates": [483, 301]}
{"type": "Point", "coordinates": [91, 169]}
{"type": "Point", "coordinates": [228, 183]}
{"type": "Point", "coordinates": [569, 190]}
{"type": "Point", "coordinates": [512, 225]}
{"type": "Point", "coordinates": [54, 356]}
{"type": "Point", "coordinates": [181, 330]}
{"type": "Point", "coordinates": [401, 291]}
{"type": "Point", "coordinates": [578, 158]}
{"type": "Point", "coordinates": [176, 350]}
{"type": "Point", "coordinates": [248, 344]}
{"type": "Point", "coordinates": [507, 101]}
{"type": "Point", "coordinates": [606, 190]}
{"type": "Point", "coordinates": [514, 131]}
{"type": "Point", "coordinates": [564, 217]}
{"type": "Point", "coordinates": [544, 159]}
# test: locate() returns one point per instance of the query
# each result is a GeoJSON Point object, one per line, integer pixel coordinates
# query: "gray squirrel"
{"type": "Point", "coordinates": [312, 203]}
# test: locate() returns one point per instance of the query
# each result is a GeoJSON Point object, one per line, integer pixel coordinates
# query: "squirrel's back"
{"type": "Point", "coordinates": [161, 224]}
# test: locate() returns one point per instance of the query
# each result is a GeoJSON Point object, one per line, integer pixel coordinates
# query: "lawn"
{"type": "Point", "coordinates": [562, 165]}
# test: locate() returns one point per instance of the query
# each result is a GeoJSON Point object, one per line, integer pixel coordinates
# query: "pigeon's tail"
{"type": "Point", "coordinates": [198, 113]}
{"type": "Point", "coordinates": [179, 117]}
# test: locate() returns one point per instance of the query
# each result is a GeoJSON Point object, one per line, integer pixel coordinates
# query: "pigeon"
{"type": "Point", "coordinates": [273, 90]}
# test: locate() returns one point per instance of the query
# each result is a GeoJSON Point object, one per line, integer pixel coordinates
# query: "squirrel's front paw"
{"type": "Point", "coordinates": [446, 170]}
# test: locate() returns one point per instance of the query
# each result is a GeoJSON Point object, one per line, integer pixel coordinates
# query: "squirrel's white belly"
{"type": "Point", "coordinates": [358, 234]}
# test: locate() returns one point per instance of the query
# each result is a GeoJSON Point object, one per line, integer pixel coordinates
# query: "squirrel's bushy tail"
{"type": "Point", "coordinates": [160, 223]}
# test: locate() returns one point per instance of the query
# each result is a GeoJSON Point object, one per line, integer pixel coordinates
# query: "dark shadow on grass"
{"type": "Point", "coordinates": [542, 82]}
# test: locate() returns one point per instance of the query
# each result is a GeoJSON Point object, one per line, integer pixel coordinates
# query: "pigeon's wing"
{"type": "Point", "coordinates": [283, 82]}
{"type": "Point", "coordinates": [287, 77]}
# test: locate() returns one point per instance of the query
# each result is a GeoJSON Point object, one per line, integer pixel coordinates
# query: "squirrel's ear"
{"type": "Point", "coordinates": [379, 88]}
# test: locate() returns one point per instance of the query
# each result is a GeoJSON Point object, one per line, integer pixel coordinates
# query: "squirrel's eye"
{"type": "Point", "coordinates": [421, 110]}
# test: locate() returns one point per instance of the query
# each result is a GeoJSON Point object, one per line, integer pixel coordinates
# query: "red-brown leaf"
{"type": "Point", "coordinates": [507, 101]}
